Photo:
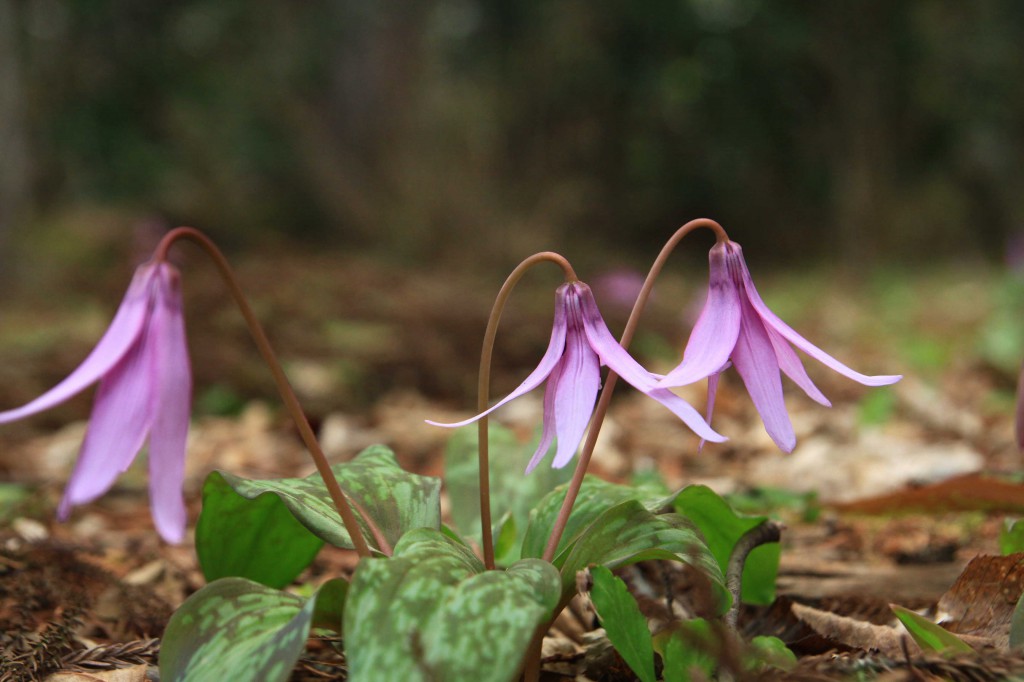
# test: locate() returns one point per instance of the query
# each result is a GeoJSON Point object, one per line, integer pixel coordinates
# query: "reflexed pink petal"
{"type": "Point", "coordinates": [578, 383]}
{"type": "Point", "coordinates": [121, 418]}
{"type": "Point", "coordinates": [169, 431]}
{"type": "Point", "coordinates": [685, 411]}
{"type": "Point", "coordinates": [547, 363]}
{"type": "Point", "coordinates": [756, 363]}
{"type": "Point", "coordinates": [623, 364]}
{"type": "Point", "coordinates": [547, 435]}
{"type": "Point", "coordinates": [773, 321]}
{"type": "Point", "coordinates": [790, 364]}
{"type": "Point", "coordinates": [714, 335]}
{"type": "Point", "coordinates": [120, 336]}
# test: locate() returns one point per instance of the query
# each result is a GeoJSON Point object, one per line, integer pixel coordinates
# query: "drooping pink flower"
{"type": "Point", "coordinates": [580, 344]}
{"type": "Point", "coordinates": [145, 386]}
{"type": "Point", "coordinates": [736, 326]}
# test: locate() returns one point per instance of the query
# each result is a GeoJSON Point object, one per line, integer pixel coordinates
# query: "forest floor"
{"type": "Point", "coordinates": [888, 497]}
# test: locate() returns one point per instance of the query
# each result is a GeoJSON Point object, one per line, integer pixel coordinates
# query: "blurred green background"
{"type": "Point", "coordinates": [846, 131]}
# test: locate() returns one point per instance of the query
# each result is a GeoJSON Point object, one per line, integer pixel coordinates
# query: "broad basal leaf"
{"type": "Point", "coordinates": [722, 528]}
{"type": "Point", "coordinates": [628, 533]}
{"type": "Point", "coordinates": [431, 612]}
{"type": "Point", "coordinates": [258, 539]}
{"type": "Point", "coordinates": [595, 497]}
{"type": "Point", "coordinates": [239, 531]}
{"type": "Point", "coordinates": [622, 621]}
{"type": "Point", "coordinates": [512, 492]}
{"type": "Point", "coordinates": [238, 630]}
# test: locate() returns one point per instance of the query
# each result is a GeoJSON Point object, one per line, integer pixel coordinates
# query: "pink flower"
{"type": "Point", "coordinates": [580, 344]}
{"type": "Point", "coordinates": [737, 326]}
{"type": "Point", "coordinates": [145, 387]}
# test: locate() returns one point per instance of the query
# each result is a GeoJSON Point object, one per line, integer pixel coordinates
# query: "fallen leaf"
{"type": "Point", "coordinates": [136, 673]}
{"type": "Point", "coordinates": [963, 493]}
{"type": "Point", "coordinates": [982, 599]}
{"type": "Point", "coordinates": [855, 634]}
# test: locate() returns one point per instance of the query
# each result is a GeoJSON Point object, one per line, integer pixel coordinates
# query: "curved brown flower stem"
{"type": "Point", "coordinates": [291, 402]}
{"type": "Point", "coordinates": [766, 532]}
{"type": "Point", "coordinates": [609, 383]}
{"type": "Point", "coordinates": [484, 388]}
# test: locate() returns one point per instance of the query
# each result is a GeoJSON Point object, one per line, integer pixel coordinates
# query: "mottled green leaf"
{"type": "Point", "coordinates": [396, 500]}
{"type": "Point", "coordinates": [621, 619]}
{"type": "Point", "coordinates": [236, 629]}
{"type": "Point", "coordinates": [722, 528]}
{"type": "Point", "coordinates": [431, 612]}
{"type": "Point", "coordinates": [595, 497]}
{"type": "Point", "coordinates": [513, 492]}
{"type": "Point", "coordinates": [628, 533]}
{"type": "Point", "coordinates": [258, 539]}
{"type": "Point", "coordinates": [928, 635]}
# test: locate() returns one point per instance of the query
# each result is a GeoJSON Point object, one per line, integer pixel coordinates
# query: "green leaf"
{"type": "Point", "coordinates": [768, 652]}
{"type": "Point", "coordinates": [686, 648]}
{"type": "Point", "coordinates": [595, 497]}
{"type": "Point", "coordinates": [628, 533]}
{"type": "Point", "coordinates": [1017, 625]}
{"type": "Point", "coordinates": [396, 500]}
{"type": "Point", "coordinates": [928, 635]}
{"type": "Point", "coordinates": [258, 539]}
{"type": "Point", "coordinates": [513, 492]}
{"type": "Point", "coordinates": [622, 621]}
{"type": "Point", "coordinates": [431, 612]}
{"type": "Point", "coordinates": [506, 540]}
{"type": "Point", "coordinates": [722, 528]}
{"type": "Point", "coordinates": [235, 629]}
{"type": "Point", "coordinates": [1011, 537]}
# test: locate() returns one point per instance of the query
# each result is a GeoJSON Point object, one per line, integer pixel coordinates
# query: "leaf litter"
{"type": "Point", "coordinates": [92, 596]}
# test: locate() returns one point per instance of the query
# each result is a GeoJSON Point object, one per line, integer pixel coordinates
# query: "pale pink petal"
{"type": "Point", "coordinates": [578, 384]}
{"type": "Point", "coordinates": [169, 431]}
{"type": "Point", "coordinates": [120, 336]}
{"type": "Point", "coordinates": [754, 358]}
{"type": "Point", "coordinates": [547, 435]}
{"type": "Point", "coordinates": [623, 364]}
{"type": "Point", "coordinates": [121, 418]}
{"type": "Point", "coordinates": [790, 364]}
{"type": "Point", "coordinates": [547, 363]}
{"type": "Point", "coordinates": [771, 320]}
{"type": "Point", "coordinates": [715, 333]}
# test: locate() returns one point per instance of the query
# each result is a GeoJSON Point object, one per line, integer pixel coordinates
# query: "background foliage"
{"type": "Point", "coordinates": [854, 130]}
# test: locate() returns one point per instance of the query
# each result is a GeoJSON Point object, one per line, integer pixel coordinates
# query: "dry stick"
{"type": "Point", "coordinates": [612, 378]}
{"type": "Point", "coordinates": [484, 388]}
{"type": "Point", "coordinates": [291, 402]}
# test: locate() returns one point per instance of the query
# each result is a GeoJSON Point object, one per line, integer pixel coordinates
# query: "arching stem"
{"type": "Point", "coordinates": [609, 383]}
{"type": "Point", "coordinates": [284, 387]}
{"type": "Point", "coordinates": [484, 388]}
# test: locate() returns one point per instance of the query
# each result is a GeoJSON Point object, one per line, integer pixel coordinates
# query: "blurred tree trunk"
{"type": "Point", "coordinates": [864, 75]}
{"type": "Point", "coordinates": [14, 163]}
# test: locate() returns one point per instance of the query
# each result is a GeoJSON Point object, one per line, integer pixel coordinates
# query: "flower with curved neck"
{"type": "Point", "coordinates": [736, 326]}
{"type": "Point", "coordinates": [580, 344]}
{"type": "Point", "coordinates": [145, 387]}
